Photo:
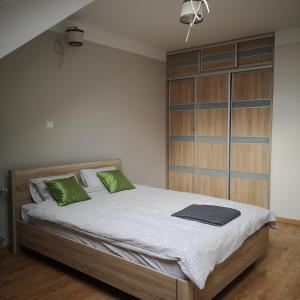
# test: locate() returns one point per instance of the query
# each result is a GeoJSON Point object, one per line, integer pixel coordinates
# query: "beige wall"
{"type": "Point", "coordinates": [104, 102]}
{"type": "Point", "coordinates": [285, 178]}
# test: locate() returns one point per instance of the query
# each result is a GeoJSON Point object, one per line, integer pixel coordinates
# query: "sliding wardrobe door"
{"type": "Point", "coordinates": [182, 135]}
{"type": "Point", "coordinates": [250, 136]}
{"type": "Point", "coordinates": [211, 148]}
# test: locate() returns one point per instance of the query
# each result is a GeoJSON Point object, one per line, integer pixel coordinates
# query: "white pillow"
{"type": "Point", "coordinates": [89, 177]}
{"type": "Point", "coordinates": [96, 191]}
{"type": "Point", "coordinates": [38, 189]}
{"type": "Point", "coordinates": [35, 195]}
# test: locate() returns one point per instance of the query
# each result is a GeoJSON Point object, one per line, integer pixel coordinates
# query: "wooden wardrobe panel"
{"type": "Point", "coordinates": [218, 50]}
{"type": "Point", "coordinates": [215, 186]}
{"type": "Point", "coordinates": [255, 44]}
{"type": "Point", "coordinates": [219, 57]}
{"type": "Point", "coordinates": [252, 85]}
{"type": "Point", "coordinates": [211, 156]}
{"type": "Point", "coordinates": [250, 121]}
{"type": "Point", "coordinates": [212, 88]}
{"type": "Point", "coordinates": [182, 153]}
{"type": "Point", "coordinates": [217, 65]}
{"type": "Point", "coordinates": [182, 123]}
{"type": "Point", "coordinates": [259, 59]}
{"type": "Point", "coordinates": [182, 182]}
{"type": "Point", "coordinates": [184, 64]}
{"type": "Point", "coordinates": [250, 191]}
{"type": "Point", "coordinates": [207, 121]}
{"type": "Point", "coordinates": [212, 122]}
{"type": "Point", "coordinates": [183, 70]}
{"type": "Point", "coordinates": [181, 91]}
{"type": "Point", "coordinates": [255, 52]}
{"type": "Point", "coordinates": [251, 158]}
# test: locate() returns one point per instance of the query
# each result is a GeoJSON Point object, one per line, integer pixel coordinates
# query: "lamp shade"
{"type": "Point", "coordinates": [188, 14]}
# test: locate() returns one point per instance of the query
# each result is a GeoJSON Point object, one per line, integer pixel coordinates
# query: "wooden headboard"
{"type": "Point", "coordinates": [20, 186]}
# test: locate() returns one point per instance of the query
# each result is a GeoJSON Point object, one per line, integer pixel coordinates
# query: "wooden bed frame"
{"type": "Point", "coordinates": [135, 279]}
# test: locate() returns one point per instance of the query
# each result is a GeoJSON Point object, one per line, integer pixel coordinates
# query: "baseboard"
{"type": "Point", "coordinates": [288, 221]}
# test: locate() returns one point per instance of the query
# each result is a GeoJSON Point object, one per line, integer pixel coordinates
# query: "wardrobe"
{"type": "Point", "coordinates": [219, 115]}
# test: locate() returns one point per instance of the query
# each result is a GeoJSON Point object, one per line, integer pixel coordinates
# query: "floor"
{"type": "Point", "coordinates": [31, 276]}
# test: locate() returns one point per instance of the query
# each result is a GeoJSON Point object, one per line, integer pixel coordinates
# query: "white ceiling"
{"type": "Point", "coordinates": [156, 22]}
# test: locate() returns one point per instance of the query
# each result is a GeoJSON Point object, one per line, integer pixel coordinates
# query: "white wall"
{"type": "Point", "coordinates": [285, 178]}
{"type": "Point", "coordinates": [23, 20]}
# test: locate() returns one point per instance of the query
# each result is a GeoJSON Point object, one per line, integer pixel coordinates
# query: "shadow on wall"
{"type": "Point", "coordinates": [3, 216]}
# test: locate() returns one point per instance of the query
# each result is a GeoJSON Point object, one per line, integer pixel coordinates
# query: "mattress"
{"type": "Point", "coordinates": [165, 266]}
{"type": "Point", "coordinates": [138, 225]}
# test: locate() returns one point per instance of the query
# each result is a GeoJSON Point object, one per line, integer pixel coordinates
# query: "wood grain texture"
{"type": "Point", "coordinates": [20, 185]}
{"type": "Point", "coordinates": [182, 123]}
{"type": "Point", "coordinates": [181, 91]}
{"type": "Point", "coordinates": [250, 191]}
{"type": "Point", "coordinates": [254, 248]}
{"type": "Point", "coordinates": [254, 44]}
{"type": "Point", "coordinates": [252, 85]}
{"type": "Point", "coordinates": [211, 122]}
{"type": "Point", "coordinates": [212, 88]}
{"type": "Point", "coordinates": [182, 182]}
{"type": "Point", "coordinates": [211, 156]}
{"type": "Point", "coordinates": [218, 65]}
{"type": "Point", "coordinates": [265, 59]}
{"type": "Point", "coordinates": [216, 61]}
{"type": "Point", "coordinates": [145, 283]}
{"type": "Point", "coordinates": [257, 59]}
{"type": "Point", "coordinates": [51, 280]}
{"type": "Point", "coordinates": [183, 70]}
{"type": "Point", "coordinates": [218, 50]}
{"type": "Point", "coordinates": [276, 276]}
{"type": "Point", "coordinates": [251, 122]}
{"type": "Point", "coordinates": [176, 69]}
{"type": "Point", "coordinates": [288, 221]}
{"type": "Point", "coordinates": [35, 277]}
{"type": "Point", "coordinates": [215, 186]}
{"type": "Point", "coordinates": [252, 158]}
{"type": "Point", "coordinates": [136, 280]}
{"type": "Point", "coordinates": [187, 56]}
{"type": "Point", "coordinates": [182, 153]}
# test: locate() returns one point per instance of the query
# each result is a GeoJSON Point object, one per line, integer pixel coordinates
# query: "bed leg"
{"type": "Point", "coordinates": [185, 290]}
{"type": "Point", "coordinates": [15, 248]}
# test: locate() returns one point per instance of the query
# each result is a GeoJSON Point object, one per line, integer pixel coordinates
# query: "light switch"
{"type": "Point", "coordinates": [49, 124]}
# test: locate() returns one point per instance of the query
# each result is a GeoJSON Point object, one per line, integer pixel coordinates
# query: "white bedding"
{"type": "Point", "coordinates": [140, 220]}
{"type": "Point", "coordinates": [165, 266]}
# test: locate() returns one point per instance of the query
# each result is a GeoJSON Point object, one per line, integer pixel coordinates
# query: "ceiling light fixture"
{"type": "Point", "coordinates": [192, 13]}
{"type": "Point", "coordinates": [74, 36]}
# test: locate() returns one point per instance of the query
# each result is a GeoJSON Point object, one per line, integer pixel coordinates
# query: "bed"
{"type": "Point", "coordinates": [159, 277]}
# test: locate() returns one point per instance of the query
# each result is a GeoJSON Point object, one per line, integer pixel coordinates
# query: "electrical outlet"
{"type": "Point", "coordinates": [49, 124]}
{"type": "Point", "coordinates": [3, 190]}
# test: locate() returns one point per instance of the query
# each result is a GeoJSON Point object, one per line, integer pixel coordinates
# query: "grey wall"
{"type": "Point", "coordinates": [104, 103]}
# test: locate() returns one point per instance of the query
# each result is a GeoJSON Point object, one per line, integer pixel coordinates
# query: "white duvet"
{"type": "Point", "coordinates": [141, 220]}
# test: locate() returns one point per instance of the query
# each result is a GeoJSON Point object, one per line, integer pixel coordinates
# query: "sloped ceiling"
{"type": "Point", "coordinates": [23, 20]}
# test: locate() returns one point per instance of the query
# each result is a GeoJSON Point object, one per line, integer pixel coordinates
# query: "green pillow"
{"type": "Point", "coordinates": [115, 181]}
{"type": "Point", "coordinates": [66, 191]}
